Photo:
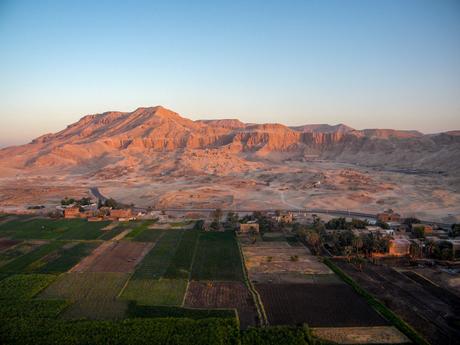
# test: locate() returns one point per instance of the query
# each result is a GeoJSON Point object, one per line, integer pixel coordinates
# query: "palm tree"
{"type": "Point", "coordinates": [358, 244]}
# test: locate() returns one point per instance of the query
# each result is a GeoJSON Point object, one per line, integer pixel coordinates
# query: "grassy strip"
{"type": "Point", "coordinates": [379, 306]}
{"type": "Point", "coordinates": [255, 295]}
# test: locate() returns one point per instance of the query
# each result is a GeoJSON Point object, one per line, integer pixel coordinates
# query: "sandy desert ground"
{"type": "Point", "coordinates": [295, 185]}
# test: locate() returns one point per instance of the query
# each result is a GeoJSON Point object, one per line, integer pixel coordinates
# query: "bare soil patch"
{"type": "Point", "coordinates": [6, 243]}
{"type": "Point", "coordinates": [424, 306]}
{"type": "Point", "coordinates": [210, 295]}
{"type": "Point", "coordinates": [114, 257]}
{"type": "Point", "coordinates": [325, 305]}
{"type": "Point", "coordinates": [361, 335]}
{"type": "Point", "coordinates": [274, 258]}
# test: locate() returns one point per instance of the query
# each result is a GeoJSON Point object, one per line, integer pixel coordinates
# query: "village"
{"type": "Point", "coordinates": [298, 267]}
{"type": "Point", "coordinates": [398, 236]}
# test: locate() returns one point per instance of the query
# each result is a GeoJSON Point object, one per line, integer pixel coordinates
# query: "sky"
{"type": "Point", "coordinates": [368, 64]}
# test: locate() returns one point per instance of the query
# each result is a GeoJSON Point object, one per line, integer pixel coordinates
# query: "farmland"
{"type": "Point", "coordinates": [94, 295]}
{"type": "Point", "coordinates": [124, 277]}
{"type": "Point", "coordinates": [427, 307]}
{"type": "Point", "coordinates": [319, 305]}
{"type": "Point", "coordinates": [232, 295]}
{"type": "Point", "coordinates": [157, 292]}
{"type": "Point", "coordinates": [217, 258]}
{"type": "Point", "coordinates": [114, 257]}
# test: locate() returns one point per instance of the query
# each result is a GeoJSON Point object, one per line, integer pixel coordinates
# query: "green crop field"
{"type": "Point", "coordinates": [158, 259]}
{"type": "Point", "coordinates": [167, 292]}
{"type": "Point", "coordinates": [109, 234]}
{"type": "Point", "coordinates": [148, 235]}
{"type": "Point", "coordinates": [217, 257]}
{"type": "Point", "coordinates": [181, 262]}
{"type": "Point", "coordinates": [94, 295]}
{"type": "Point", "coordinates": [47, 229]}
{"type": "Point", "coordinates": [138, 228]}
{"type": "Point", "coordinates": [68, 257]}
{"type": "Point", "coordinates": [25, 263]}
{"type": "Point", "coordinates": [16, 251]}
{"type": "Point", "coordinates": [23, 286]}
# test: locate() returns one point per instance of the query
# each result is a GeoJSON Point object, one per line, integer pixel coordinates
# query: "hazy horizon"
{"type": "Point", "coordinates": [388, 64]}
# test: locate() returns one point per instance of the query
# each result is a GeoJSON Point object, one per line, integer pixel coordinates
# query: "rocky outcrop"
{"type": "Point", "coordinates": [148, 133]}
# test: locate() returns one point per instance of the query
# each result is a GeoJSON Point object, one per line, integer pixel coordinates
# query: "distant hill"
{"type": "Point", "coordinates": [158, 140]}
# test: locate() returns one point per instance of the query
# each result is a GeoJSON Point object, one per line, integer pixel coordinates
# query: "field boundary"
{"type": "Point", "coordinates": [255, 295]}
{"type": "Point", "coordinates": [393, 318]}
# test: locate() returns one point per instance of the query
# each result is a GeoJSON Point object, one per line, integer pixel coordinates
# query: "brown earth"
{"type": "Point", "coordinates": [114, 256]}
{"type": "Point", "coordinates": [6, 243]}
{"type": "Point", "coordinates": [427, 308]}
{"type": "Point", "coordinates": [323, 305]}
{"type": "Point", "coordinates": [209, 295]}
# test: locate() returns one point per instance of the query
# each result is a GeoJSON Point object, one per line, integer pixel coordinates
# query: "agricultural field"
{"type": "Point", "coordinates": [217, 258]}
{"type": "Point", "coordinates": [156, 292]}
{"type": "Point", "coordinates": [30, 262]}
{"type": "Point", "coordinates": [181, 262]}
{"type": "Point", "coordinates": [49, 229]}
{"type": "Point", "coordinates": [270, 260]}
{"type": "Point", "coordinates": [6, 243]}
{"type": "Point", "coordinates": [318, 305]}
{"type": "Point", "coordinates": [18, 250]}
{"type": "Point", "coordinates": [223, 295]}
{"type": "Point", "coordinates": [93, 295]}
{"type": "Point", "coordinates": [429, 308]}
{"type": "Point", "coordinates": [156, 262]}
{"type": "Point", "coordinates": [114, 257]}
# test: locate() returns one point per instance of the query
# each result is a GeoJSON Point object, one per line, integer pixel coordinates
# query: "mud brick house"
{"type": "Point", "coordinates": [122, 214]}
{"type": "Point", "coordinates": [250, 226]}
{"type": "Point", "coordinates": [428, 229]}
{"type": "Point", "coordinates": [285, 218]}
{"type": "Point", "coordinates": [399, 247]}
{"type": "Point", "coordinates": [72, 212]}
{"type": "Point", "coordinates": [389, 216]}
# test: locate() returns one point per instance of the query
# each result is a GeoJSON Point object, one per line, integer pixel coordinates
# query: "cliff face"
{"type": "Point", "coordinates": [147, 134]}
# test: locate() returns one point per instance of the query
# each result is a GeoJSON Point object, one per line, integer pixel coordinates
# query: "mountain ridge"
{"type": "Point", "coordinates": [116, 138]}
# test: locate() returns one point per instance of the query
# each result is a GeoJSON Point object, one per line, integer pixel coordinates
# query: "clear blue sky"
{"type": "Point", "coordinates": [387, 63]}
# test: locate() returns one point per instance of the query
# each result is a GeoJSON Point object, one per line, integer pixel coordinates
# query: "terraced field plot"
{"type": "Point", "coordinates": [318, 305]}
{"type": "Point", "coordinates": [223, 295]}
{"type": "Point", "coordinates": [217, 258]}
{"type": "Point", "coordinates": [93, 294]}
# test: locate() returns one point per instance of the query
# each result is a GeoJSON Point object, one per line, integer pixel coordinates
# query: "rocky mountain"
{"type": "Point", "coordinates": [158, 141]}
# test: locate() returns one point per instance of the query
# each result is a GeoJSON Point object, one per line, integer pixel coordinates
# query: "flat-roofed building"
{"type": "Point", "coordinates": [248, 227]}
{"type": "Point", "coordinates": [72, 212]}
{"type": "Point", "coordinates": [399, 247]}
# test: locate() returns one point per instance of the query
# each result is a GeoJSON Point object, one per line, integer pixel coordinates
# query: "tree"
{"type": "Point", "coordinates": [455, 230]}
{"type": "Point", "coordinates": [231, 222]}
{"type": "Point", "coordinates": [411, 220]}
{"type": "Point", "coordinates": [357, 244]}
{"type": "Point", "coordinates": [216, 215]}
{"type": "Point", "coordinates": [418, 231]}
{"type": "Point", "coordinates": [314, 240]}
